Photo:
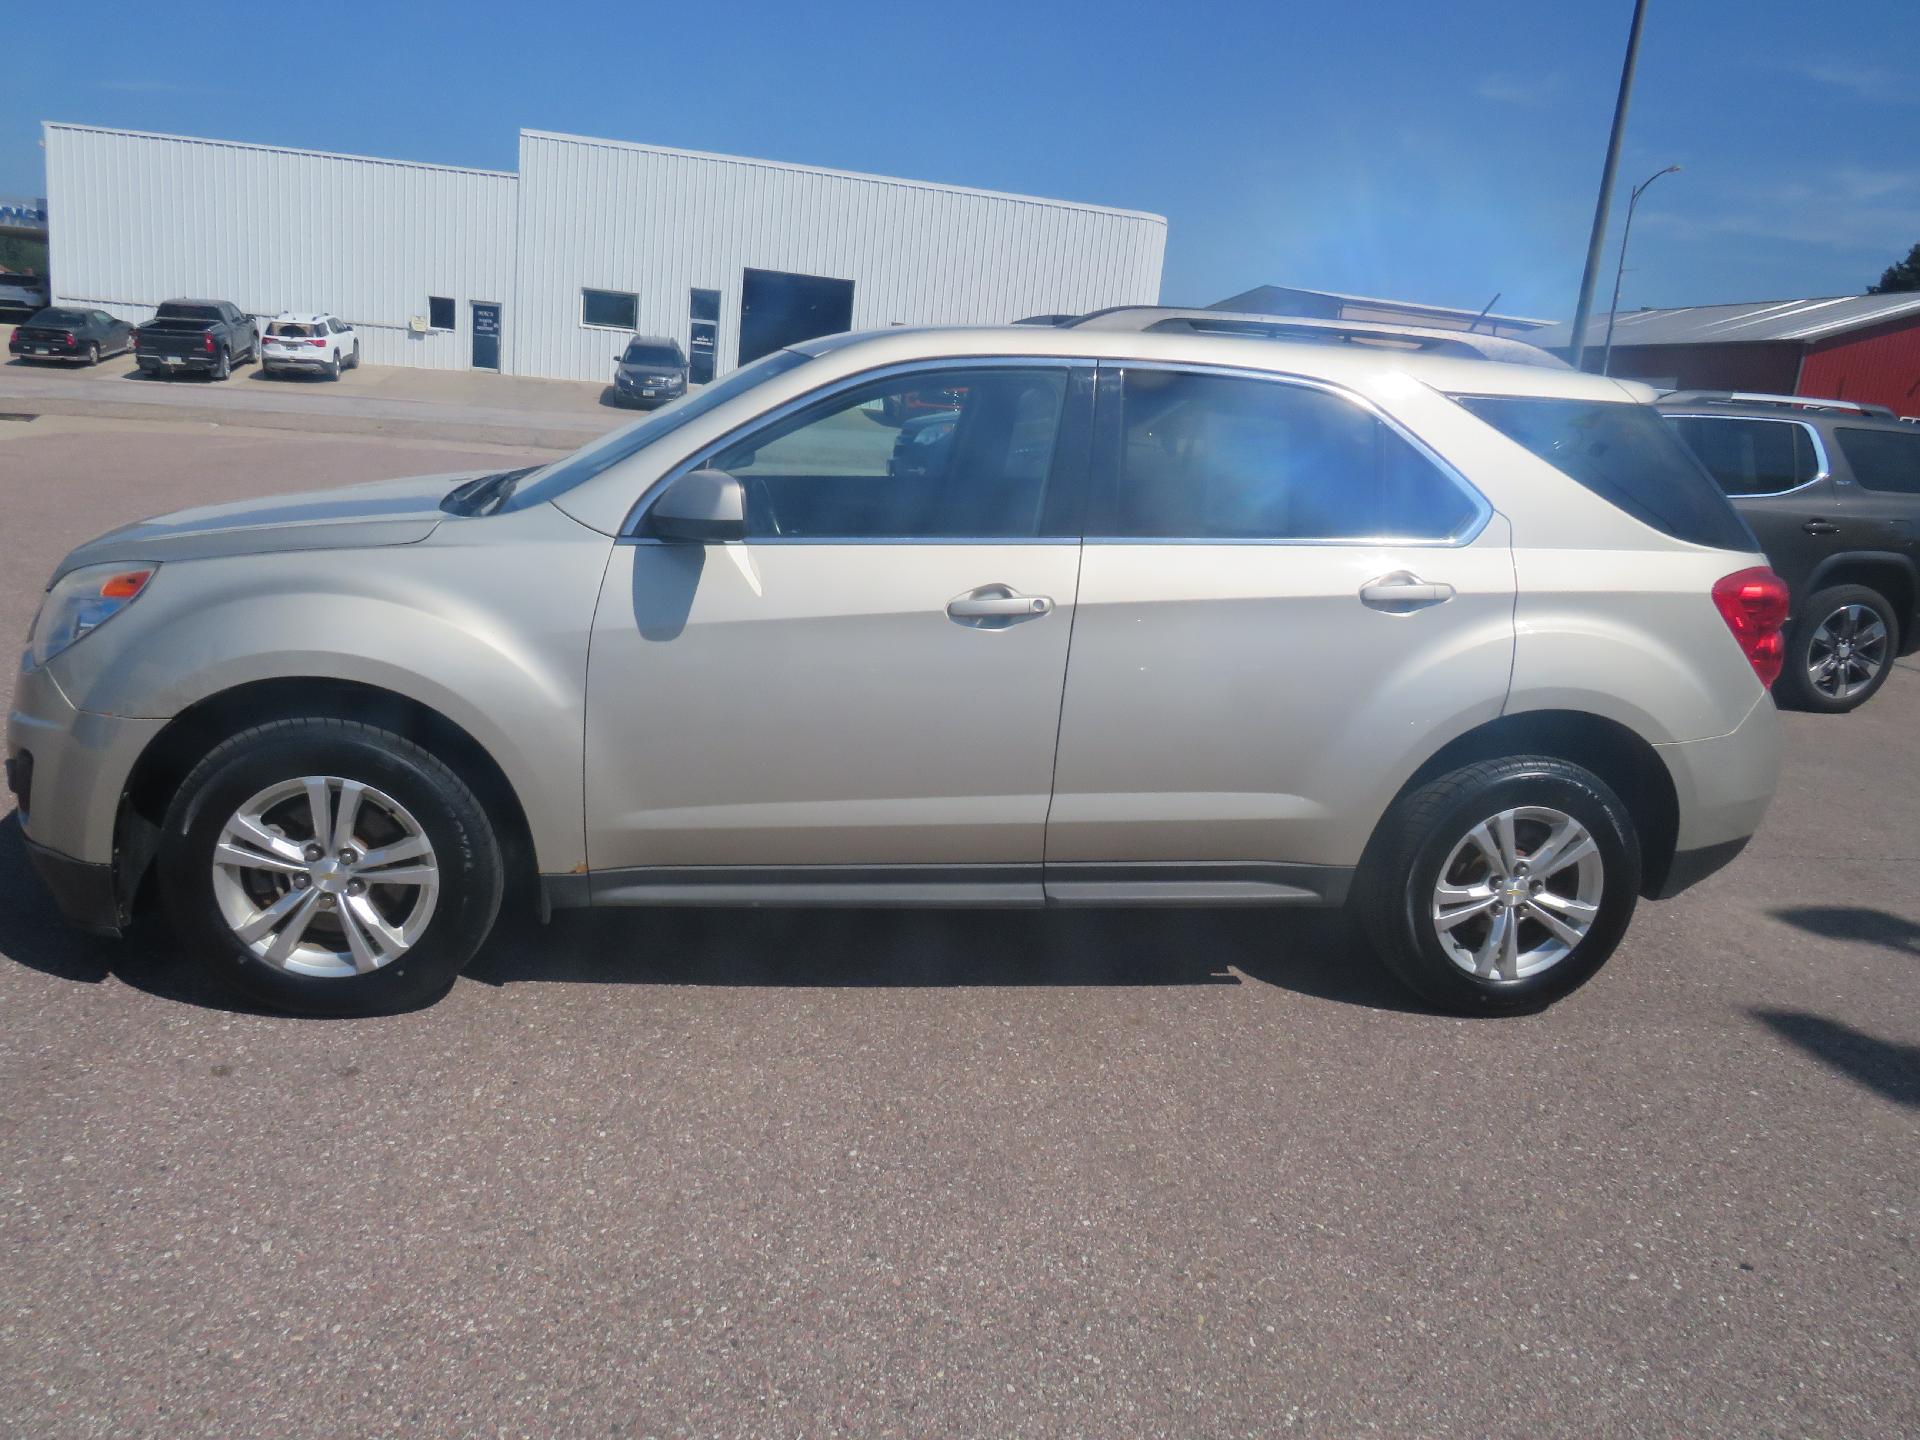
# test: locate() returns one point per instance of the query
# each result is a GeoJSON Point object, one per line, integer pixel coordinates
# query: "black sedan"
{"type": "Point", "coordinates": [60, 333]}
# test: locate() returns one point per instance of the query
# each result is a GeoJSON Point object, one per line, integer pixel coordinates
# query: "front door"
{"type": "Point", "coordinates": [486, 336]}
{"type": "Point", "coordinates": [865, 693]}
{"type": "Point", "coordinates": [1282, 599]}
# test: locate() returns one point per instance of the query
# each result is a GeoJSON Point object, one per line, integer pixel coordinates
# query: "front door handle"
{"type": "Point", "coordinates": [995, 607]}
{"type": "Point", "coordinates": [1403, 591]}
{"type": "Point", "coordinates": [1821, 527]}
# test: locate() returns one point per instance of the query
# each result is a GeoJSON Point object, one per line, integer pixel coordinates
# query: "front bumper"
{"type": "Point", "coordinates": [629, 392]}
{"type": "Point", "coordinates": [80, 765]}
{"type": "Point", "coordinates": [87, 895]}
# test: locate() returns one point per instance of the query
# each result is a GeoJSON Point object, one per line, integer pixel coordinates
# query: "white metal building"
{"type": "Point", "coordinates": [547, 271]}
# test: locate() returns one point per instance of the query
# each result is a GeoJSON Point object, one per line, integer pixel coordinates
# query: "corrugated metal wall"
{"type": "Point", "coordinates": [1879, 366]}
{"type": "Point", "coordinates": [659, 223]}
{"type": "Point", "coordinates": [136, 219]}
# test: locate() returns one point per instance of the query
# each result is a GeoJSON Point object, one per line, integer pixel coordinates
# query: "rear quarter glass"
{"type": "Point", "coordinates": [1628, 455]}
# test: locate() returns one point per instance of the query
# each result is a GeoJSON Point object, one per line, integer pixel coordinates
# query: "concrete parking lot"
{"type": "Point", "coordinates": [1150, 1173]}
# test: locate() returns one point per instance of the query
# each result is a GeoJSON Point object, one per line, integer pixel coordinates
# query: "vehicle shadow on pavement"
{"type": "Point", "coordinates": [1313, 953]}
{"type": "Point", "coordinates": [1856, 922]}
{"type": "Point", "coordinates": [1886, 1067]}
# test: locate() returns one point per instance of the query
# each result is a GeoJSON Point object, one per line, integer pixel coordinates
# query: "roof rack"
{"type": "Point", "coordinates": [1301, 329]}
{"type": "Point", "coordinates": [1783, 402]}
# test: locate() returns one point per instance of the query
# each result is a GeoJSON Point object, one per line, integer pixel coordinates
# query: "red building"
{"type": "Point", "coordinates": [1849, 347]}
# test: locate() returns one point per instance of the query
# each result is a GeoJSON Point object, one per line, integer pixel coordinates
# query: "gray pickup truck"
{"type": "Point", "coordinates": [210, 336]}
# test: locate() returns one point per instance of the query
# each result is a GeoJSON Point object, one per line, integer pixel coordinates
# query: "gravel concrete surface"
{"type": "Point", "coordinates": [794, 1174]}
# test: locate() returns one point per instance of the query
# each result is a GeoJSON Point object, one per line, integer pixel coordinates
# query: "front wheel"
{"type": "Point", "coordinates": [1839, 650]}
{"type": "Point", "coordinates": [1501, 886]}
{"type": "Point", "coordinates": [329, 868]}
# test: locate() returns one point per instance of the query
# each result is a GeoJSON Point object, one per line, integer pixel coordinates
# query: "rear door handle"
{"type": "Point", "coordinates": [1821, 527]}
{"type": "Point", "coordinates": [1403, 591]}
{"type": "Point", "coordinates": [995, 607]}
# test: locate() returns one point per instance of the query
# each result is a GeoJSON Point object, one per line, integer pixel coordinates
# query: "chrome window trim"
{"type": "Point", "coordinates": [1469, 531]}
{"type": "Point", "coordinates": [1823, 472]}
{"type": "Point", "coordinates": [629, 530]}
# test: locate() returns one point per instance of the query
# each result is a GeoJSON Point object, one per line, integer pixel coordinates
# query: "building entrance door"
{"type": "Point", "coordinates": [486, 336]}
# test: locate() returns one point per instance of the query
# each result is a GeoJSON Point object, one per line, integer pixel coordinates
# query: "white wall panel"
{"type": "Point", "coordinates": [136, 219]}
{"type": "Point", "coordinates": [659, 223]}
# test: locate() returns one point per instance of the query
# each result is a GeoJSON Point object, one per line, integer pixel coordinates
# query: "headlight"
{"type": "Point", "coordinates": [80, 603]}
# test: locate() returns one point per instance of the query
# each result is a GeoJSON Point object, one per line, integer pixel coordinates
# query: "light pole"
{"type": "Point", "coordinates": [1606, 355]}
{"type": "Point", "coordinates": [1597, 240]}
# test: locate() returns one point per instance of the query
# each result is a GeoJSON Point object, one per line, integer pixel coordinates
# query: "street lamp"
{"type": "Point", "coordinates": [1606, 355]}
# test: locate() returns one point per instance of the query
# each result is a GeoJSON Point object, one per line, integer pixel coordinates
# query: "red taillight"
{"type": "Point", "coordinates": [207, 343]}
{"type": "Point", "coordinates": [1754, 605]}
{"type": "Point", "coordinates": [318, 343]}
{"type": "Point", "coordinates": [69, 339]}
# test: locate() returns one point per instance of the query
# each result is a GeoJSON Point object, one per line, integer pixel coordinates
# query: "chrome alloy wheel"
{"type": "Point", "coordinates": [325, 876]}
{"type": "Point", "coordinates": [1518, 893]}
{"type": "Point", "coordinates": [1849, 649]}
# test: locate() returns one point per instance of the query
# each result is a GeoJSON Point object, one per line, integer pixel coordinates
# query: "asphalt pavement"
{"type": "Point", "coordinates": [695, 1173]}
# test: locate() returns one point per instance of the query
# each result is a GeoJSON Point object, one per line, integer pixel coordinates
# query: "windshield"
{"type": "Point", "coordinates": [638, 354]}
{"type": "Point", "coordinates": [610, 450]}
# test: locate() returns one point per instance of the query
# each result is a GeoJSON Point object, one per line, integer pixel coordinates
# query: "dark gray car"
{"type": "Point", "coordinates": [650, 371]}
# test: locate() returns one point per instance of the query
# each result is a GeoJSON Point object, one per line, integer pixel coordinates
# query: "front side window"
{"type": "Point", "coordinates": [1882, 459]}
{"type": "Point", "coordinates": [609, 309]}
{"type": "Point", "coordinates": [950, 454]}
{"type": "Point", "coordinates": [1628, 456]}
{"type": "Point", "coordinates": [1215, 457]}
{"type": "Point", "coordinates": [1751, 457]}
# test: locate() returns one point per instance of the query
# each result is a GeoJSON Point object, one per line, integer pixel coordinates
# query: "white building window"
{"type": "Point", "coordinates": [609, 309]}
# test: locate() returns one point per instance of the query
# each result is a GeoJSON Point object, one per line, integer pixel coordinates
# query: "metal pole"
{"type": "Point", "coordinates": [1597, 240]}
{"type": "Point", "coordinates": [1626, 233]}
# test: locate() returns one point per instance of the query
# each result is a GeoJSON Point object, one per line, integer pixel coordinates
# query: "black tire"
{"type": "Point", "coordinates": [468, 856]}
{"type": "Point", "coordinates": [331, 370]}
{"type": "Point", "coordinates": [1393, 892]}
{"type": "Point", "coordinates": [1796, 688]}
{"type": "Point", "coordinates": [222, 365]}
{"type": "Point", "coordinates": [93, 354]}
{"type": "Point", "coordinates": [356, 356]}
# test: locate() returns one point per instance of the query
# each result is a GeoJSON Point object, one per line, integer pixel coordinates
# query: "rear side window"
{"type": "Point", "coordinates": [1627, 455]}
{"type": "Point", "coordinates": [1883, 459]}
{"type": "Point", "coordinates": [1751, 457]}
{"type": "Point", "coordinates": [1215, 457]}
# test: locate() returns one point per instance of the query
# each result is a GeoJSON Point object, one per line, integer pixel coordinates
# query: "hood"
{"type": "Point", "coordinates": [386, 512]}
{"type": "Point", "coordinates": [668, 368]}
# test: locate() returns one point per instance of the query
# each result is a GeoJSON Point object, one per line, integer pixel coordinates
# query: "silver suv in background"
{"type": "Point", "coordinates": [1148, 609]}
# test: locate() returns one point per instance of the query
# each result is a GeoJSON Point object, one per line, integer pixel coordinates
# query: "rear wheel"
{"type": "Point", "coordinates": [1501, 886]}
{"type": "Point", "coordinates": [332, 368]}
{"type": "Point", "coordinates": [93, 354]}
{"type": "Point", "coordinates": [222, 366]}
{"type": "Point", "coordinates": [330, 868]}
{"type": "Point", "coordinates": [1839, 650]}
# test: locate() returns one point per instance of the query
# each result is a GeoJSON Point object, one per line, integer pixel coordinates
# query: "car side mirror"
{"type": "Point", "coordinates": [702, 507]}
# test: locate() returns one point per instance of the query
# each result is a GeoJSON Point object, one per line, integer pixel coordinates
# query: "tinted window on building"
{"type": "Point", "coordinates": [440, 312]}
{"type": "Point", "coordinates": [1883, 459]}
{"type": "Point", "coordinates": [613, 309]}
{"type": "Point", "coordinates": [706, 305]}
{"type": "Point", "coordinates": [1751, 457]}
{"type": "Point", "coordinates": [1628, 456]}
{"type": "Point", "coordinates": [962, 454]}
{"type": "Point", "coordinates": [1216, 458]}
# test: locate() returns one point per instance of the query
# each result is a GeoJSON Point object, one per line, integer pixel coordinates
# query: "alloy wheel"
{"type": "Point", "coordinates": [1848, 651]}
{"type": "Point", "coordinates": [325, 876]}
{"type": "Point", "coordinates": [1518, 893]}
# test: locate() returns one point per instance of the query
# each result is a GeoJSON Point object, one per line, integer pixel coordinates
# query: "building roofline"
{"type": "Point", "coordinates": [274, 149]}
{"type": "Point", "coordinates": [789, 165]}
{"type": "Point", "coordinates": [1380, 300]}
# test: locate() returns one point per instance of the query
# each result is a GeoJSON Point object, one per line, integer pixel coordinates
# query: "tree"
{"type": "Point", "coordinates": [1904, 276]}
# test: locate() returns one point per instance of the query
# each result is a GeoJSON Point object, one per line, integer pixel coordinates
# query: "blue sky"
{"type": "Point", "coordinates": [1414, 148]}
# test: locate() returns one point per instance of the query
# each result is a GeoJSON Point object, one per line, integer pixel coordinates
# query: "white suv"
{"type": "Point", "coordinates": [1156, 608]}
{"type": "Point", "coordinates": [322, 344]}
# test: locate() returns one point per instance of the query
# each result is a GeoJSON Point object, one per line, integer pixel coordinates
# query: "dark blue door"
{"type": "Point", "coordinates": [486, 336]}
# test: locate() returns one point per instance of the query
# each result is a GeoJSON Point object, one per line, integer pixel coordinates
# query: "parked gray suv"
{"type": "Point", "coordinates": [1121, 612]}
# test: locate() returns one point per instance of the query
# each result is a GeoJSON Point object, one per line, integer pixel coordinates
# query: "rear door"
{"type": "Point", "coordinates": [1776, 473]}
{"type": "Point", "coordinates": [1282, 597]}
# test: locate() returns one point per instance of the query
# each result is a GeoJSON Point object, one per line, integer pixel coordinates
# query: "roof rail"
{"type": "Point", "coordinates": [1784, 402]}
{"type": "Point", "coordinates": [1307, 330]}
